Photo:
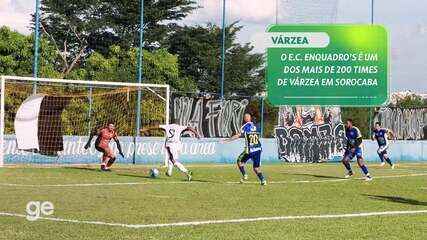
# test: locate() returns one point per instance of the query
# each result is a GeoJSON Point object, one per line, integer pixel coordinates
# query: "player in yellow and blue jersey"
{"type": "Point", "coordinates": [381, 135]}
{"type": "Point", "coordinates": [252, 149]}
{"type": "Point", "coordinates": [354, 149]}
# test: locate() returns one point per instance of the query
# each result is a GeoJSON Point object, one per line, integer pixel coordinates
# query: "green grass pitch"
{"type": "Point", "coordinates": [87, 200]}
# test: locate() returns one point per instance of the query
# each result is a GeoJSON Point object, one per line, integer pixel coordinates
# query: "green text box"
{"type": "Point", "coordinates": [344, 65]}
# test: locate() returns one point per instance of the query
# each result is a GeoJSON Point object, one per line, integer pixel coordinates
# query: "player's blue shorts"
{"type": "Point", "coordinates": [254, 156]}
{"type": "Point", "coordinates": [350, 155]}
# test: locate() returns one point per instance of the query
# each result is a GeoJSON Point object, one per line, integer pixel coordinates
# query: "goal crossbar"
{"type": "Point", "coordinates": [85, 82]}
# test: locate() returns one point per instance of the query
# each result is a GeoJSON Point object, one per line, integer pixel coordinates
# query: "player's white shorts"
{"type": "Point", "coordinates": [172, 151]}
{"type": "Point", "coordinates": [382, 149]}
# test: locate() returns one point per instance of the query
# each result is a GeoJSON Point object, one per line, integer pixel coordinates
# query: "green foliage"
{"type": "Point", "coordinates": [81, 27]}
{"type": "Point", "coordinates": [411, 101]}
{"type": "Point", "coordinates": [199, 52]}
{"type": "Point", "coordinates": [17, 55]}
{"type": "Point", "coordinates": [362, 118]}
{"type": "Point", "coordinates": [120, 65]}
{"type": "Point", "coordinates": [270, 119]}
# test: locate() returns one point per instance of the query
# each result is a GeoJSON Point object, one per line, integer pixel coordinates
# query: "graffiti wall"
{"type": "Point", "coordinates": [309, 134]}
{"type": "Point", "coordinates": [407, 124]}
{"type": "Point", "coordinates": [210, 117]}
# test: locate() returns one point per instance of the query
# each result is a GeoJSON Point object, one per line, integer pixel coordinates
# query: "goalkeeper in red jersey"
{"type": "Point", "coordinates": [102, 144]}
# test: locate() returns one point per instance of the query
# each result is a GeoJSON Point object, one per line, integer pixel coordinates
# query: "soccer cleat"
{"type": "Point", "coordinates": [382, 164]}
{"type": "Point", "coordinates": [105, 169]}
{"type": "Point", "coordinates": [189, 175]}
{"type": "Point", "coordinates": [244, 178]}
{"type": "Point", "coordinates": [348, 175]}
{"type": "Point", "coordinates": [368, 178]}
{"type": "Point", "coordinates": [393, 166]}
{"type": "Point", "coordinates": [264, 182]}
{"type": "Point", "coordinates": [167, 174]}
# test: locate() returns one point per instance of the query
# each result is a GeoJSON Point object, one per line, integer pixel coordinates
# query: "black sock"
{"type": "Point", "coordinates": [347, 166]}
{"type": "Point", "coordinates": [388, 160]}
{"type": "Point", "coordinates": [242, 170]}
{"type": "Point", "coordinates": [260, 176]}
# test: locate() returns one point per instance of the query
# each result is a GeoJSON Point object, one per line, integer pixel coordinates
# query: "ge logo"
{"type": "Point", "coordinates": [36, 209]}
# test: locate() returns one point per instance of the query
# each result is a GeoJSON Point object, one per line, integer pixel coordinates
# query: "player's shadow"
{"type": "Point", "coordinates": [314, 175]}
{"type": "Point", "coordinates": [84, 168]}
{"type": "Point", "coordinates": [203, 181]}
{"type": "Point", "coordinates": [160, 178]}
{"type": "Point", "coordinates": [132, 175]}
{"type": "Point", "coordinates": [397, 199]}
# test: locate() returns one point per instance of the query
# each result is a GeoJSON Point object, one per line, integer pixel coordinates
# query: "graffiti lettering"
{"type": "Point", "coordinates": [309, 134]}
{"type": "Point", "coordinates": [210, 117]}
{"type": "Point", "coordinates": [310, 144]}
{"type": "Point", "coordinates": [406, 124]}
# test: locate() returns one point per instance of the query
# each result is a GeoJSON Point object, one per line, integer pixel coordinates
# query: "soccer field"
{"type": "Point", "coordinates": [301, 201]}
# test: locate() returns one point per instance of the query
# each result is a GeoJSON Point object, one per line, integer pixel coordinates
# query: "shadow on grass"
{"type": "Point", "coordinates": [397, 199]}
{"type": "Point", "coordinates": [204, 181]}
{"type": "Point", "coordinates": [163, 178]}
{"type": "Point", "coordinates": [118, 172]}
{"type": "Point", "coordinates": [314, 175]}
{"type": "Point", "coordinates": [144, 175]}
{"type": "Point", "coordinates": [84, 168]}
{"type": "Point", "coordinates": [132, 175]}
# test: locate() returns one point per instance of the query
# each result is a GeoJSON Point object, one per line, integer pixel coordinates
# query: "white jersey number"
{"type": "Point", "coordinates": [173, 132]}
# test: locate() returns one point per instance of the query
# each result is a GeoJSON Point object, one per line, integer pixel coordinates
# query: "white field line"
{"type": "Point", "coordinates": [209, 222]}
{"type": "Point", "coordinates": [92, 184]}
{"type": "Point", "coordinates": [407, 170]}
{"type": "Point", "coordinates": [195, 182]}
{"type": "Point", "coordinates": [162, 196]}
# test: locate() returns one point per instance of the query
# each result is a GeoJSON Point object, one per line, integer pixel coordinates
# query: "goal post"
{"type": "Point", "coordinates": [46, 120]}
{"type": "Point", "coordinates": [2, 109]}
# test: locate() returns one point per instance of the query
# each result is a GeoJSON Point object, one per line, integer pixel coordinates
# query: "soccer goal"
{"type": "Point", "coordinates": [49, 120]}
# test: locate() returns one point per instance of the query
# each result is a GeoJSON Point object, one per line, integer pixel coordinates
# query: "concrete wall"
{"type": "Point", "coordinates": [150, 150]}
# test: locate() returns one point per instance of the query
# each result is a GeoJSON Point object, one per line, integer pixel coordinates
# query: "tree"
{"type": "Point", "coordinates": [159, 67]}
{"type": "Point", "coordinates": [411, 101]}
{"type": "Point", "coordinates": [78, 27]}
{"type": "Point", "coordinates": [199, 51]}
{"type": "Point", "coordinates": [362, 117]}
{"type": "Point", "coordinates": [17, 55]}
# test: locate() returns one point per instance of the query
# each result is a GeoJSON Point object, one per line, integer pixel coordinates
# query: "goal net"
{"type": "Point", "coordinates": [49, 120]}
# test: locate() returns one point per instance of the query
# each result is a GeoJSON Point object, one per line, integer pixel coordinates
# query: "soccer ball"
{"type": "Point", "coordinates": [154, 172]}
